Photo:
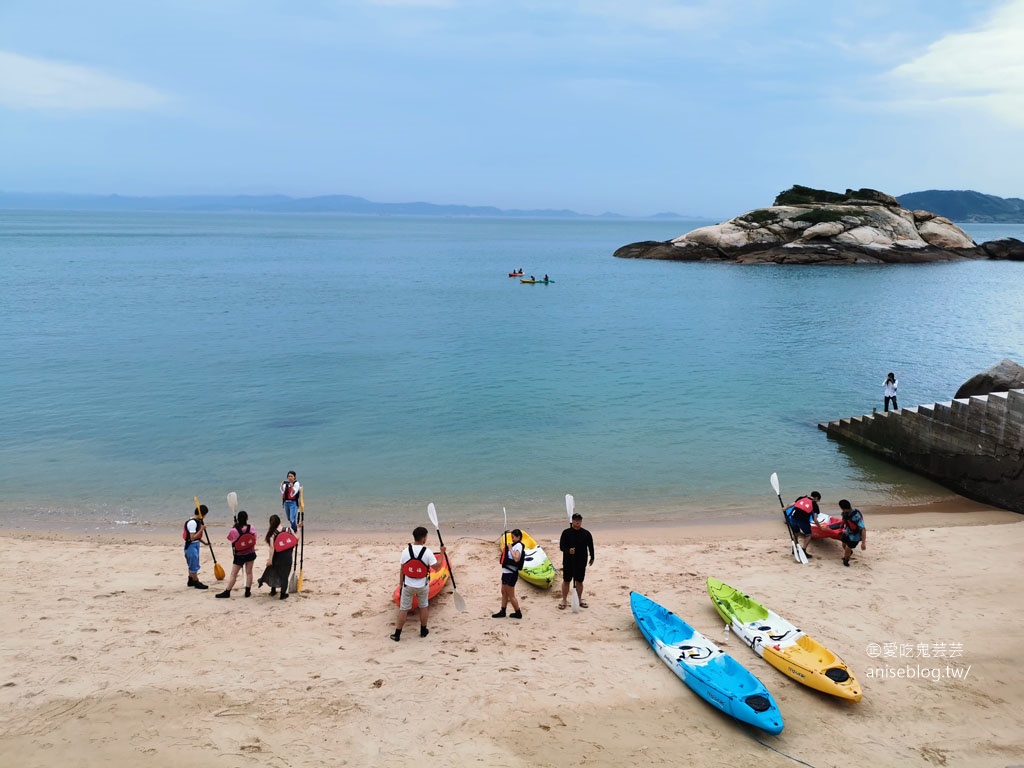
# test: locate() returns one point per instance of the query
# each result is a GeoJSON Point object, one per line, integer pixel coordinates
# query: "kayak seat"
{"type": "Point", "coordinates": [837, 674]}
{"type": "Point", "coordinates": [758, 703]}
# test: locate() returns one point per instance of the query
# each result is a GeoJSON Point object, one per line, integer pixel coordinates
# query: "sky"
{"type": "Point", "coordinates": [706, 108]}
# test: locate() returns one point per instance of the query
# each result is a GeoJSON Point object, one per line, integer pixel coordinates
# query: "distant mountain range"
{"type": "Point", "coordinates": [965, 205]}
{"type": "Point", "coordinates": [958, 205]}
{"type": "Point", "coordinates": [284, 204]}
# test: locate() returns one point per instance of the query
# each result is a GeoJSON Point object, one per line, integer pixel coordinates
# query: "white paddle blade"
{"type": "Point", "coordinates": [460, 604]}
{"type": "Point", "coordinates": [233, 502]}
{"type": "Point", "coordinates": [799, 554]}
{"type": "Point", "coordinates": [575, 600]}
{"type": "Point", "coordinates": [775, 482]}
{"type": "Point", "coordinates": [570, 505]}
{"type": "Point", "coordinates": [432, 513]}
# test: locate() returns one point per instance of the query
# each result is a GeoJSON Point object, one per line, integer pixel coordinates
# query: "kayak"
{"type": "Point", "coordinates": [825, 527]}
{"type": "Point", "coordinates": [515, 274]}
{"type": "Point", "coordinates": [782, 645]}
{"type": "Point", "coordinates": [439, 575]}
{"type": "Point", "coordinates": [531, 282]}
{"type": "Point", "coordinates": [539, 570]}
{"type": "Point", "coordinates": [709, 671]}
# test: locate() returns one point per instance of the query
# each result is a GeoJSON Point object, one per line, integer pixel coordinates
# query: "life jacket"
{"type": "Point", "coordinates": [506, 559]}
{"type": "Point", "coordinates": [414, 567]}
{"type": "Point", "coordinates": [245, 544]}
{"type": "Point", "coordinates": [289, 492]}
{"type": "Point", "coordinates": [284, 540]}
{"type": "Point", "coordinates": [850, 522]}
{"type": "Point", "coordinates": [185, 535]}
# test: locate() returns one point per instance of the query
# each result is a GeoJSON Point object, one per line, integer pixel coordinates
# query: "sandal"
{"type": "Point", "coordinates": [561, 606]}
{"type": "Point", "coordinates": [583, 604]}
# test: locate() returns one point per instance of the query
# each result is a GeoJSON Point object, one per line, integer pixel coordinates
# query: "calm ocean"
{"type": "Point", "coordinates": [148, 358]}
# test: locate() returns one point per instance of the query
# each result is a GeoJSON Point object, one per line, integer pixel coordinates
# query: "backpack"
{"type": "Point", "coordinates": [245, 544]}
{"type": "Point", "coordinates": [414, 567]}
{"type": "Point", "coordinates": [284, 540]}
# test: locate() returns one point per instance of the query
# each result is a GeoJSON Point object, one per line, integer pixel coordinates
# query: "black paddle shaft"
{"type": "Point", "coordinates": [451, 571]}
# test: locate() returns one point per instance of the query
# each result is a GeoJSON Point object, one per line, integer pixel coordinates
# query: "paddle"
{"type": "Point", "coordinates": [570, 505]}
{"type": "Point", "coordinates": [218, 569]}
{"type": "Point", "coordinates": [302, 538]}
{"type": "Point", "coordinates": [798, 552]}
{"type": "Point", "coordinates": [460, 604]}
{"type": "Point", "coordinates": [233, 505]}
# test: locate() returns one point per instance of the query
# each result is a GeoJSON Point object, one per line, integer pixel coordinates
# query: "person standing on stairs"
{"type": "Point", "coordinates": [889, 387]}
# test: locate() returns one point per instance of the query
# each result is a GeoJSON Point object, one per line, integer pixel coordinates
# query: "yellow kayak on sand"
{"type": "Point", "coordinates": [783, 645]}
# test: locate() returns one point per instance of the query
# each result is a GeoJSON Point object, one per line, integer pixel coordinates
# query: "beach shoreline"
{"type": "Point", "coordinates": [109, 659]}
{"type": "Point", "coordinates": [946, 510]}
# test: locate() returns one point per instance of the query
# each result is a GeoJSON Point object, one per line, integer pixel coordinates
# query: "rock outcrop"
{"type": "Point", "coordinates": [1002, 376]}
{"type": "Point", "coordinates": [807, 226]}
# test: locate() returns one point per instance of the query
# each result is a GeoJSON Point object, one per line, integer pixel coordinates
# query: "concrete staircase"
{"type": "Point", "coordinates": [974, 446]}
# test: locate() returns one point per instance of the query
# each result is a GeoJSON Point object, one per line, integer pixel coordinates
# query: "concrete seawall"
{"type": "Point", "coordinates": [974, 446]}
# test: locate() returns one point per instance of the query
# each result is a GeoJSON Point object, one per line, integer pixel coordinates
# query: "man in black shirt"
{"type": "Point", "coordinates": [576, 543]}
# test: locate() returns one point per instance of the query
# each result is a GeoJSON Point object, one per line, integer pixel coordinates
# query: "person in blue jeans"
{"type": "Point", "coordinates": [291, 489]}
{"type": "Point", "coordinates": [192, 533]}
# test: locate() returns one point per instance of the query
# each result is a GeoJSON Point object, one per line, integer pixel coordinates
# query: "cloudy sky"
{"type": "Point", "coordinates": [707, 107]}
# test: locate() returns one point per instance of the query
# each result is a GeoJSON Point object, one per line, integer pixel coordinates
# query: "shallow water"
{"type": "Point", "coordinates": [148, 358]}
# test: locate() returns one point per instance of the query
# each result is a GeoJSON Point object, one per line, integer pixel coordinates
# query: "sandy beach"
{"type": "Point", "coordinates": [108, 659]}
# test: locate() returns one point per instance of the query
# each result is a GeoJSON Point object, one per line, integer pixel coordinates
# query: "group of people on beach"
{"type": "Point", "coordinates": [576, 544]}
{"type": "Point", "coordinates": [804, 513]}
{"type": "Point", "coordinates": [242, 536]}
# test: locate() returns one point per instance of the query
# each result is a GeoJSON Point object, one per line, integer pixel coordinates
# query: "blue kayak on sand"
{"type": "Point", "coordinates": [709, 671]}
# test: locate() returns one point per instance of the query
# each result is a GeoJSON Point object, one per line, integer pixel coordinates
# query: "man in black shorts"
{"type": "Point", "coordinates": [576, 543]}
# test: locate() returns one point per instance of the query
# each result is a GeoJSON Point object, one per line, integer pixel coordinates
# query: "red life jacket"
{"type": "Point", "coordinates": [245, 544]}
{"type": "Point", "coordinates": [289, 493]}
{"type": "Point", "coordinates": [414, 567]}
{"type": "Point", "coordinates": [284, 540]}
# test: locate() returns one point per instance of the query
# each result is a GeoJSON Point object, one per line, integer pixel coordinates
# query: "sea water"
{"type": "Point", "coordinates": [151, 357]}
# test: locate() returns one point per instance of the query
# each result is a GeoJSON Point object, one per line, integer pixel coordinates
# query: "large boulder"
{"type": "Point", "coordinates": [1001, 377]}
{"type": "Point", "coordinates": [808, 226]}
{"type": "Point", "coordinates": [1005, 248]}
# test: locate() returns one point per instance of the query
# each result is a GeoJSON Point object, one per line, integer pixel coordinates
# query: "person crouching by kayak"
{"type": "Point", "coordinates": [192, 533]}
{"type": "Point", "coordinates": [854, 530]}
{"type": "Point", "coordinates": [414, 580]}
{"type": "Point", "coordinates": [802, 515]}
{"type": "Point", "coordinates": [511, 564]}
{"type": "Point", "coordinates": [279, 562]}
{"type": "Point", "coordinates": [243, 540]}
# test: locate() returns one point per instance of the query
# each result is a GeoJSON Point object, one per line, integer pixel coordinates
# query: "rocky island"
{"type": "Point", "coordinates": [813, 226]}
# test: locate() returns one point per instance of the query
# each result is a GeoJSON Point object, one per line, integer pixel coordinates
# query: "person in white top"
{"type": "Point", "coordinates": [889, 389]}
{"type": "Point", "coordinates": [291, 489]}
{"type": "Point", "coordinates": [414, 581]}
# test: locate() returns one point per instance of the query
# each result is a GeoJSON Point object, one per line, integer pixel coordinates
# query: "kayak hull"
{"type": "Point", "coordinates": [781, 644]}
{"type": "Point", "coordinates": [825, 527]}
{"type": "Point", "coordinates": [705, 668]}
